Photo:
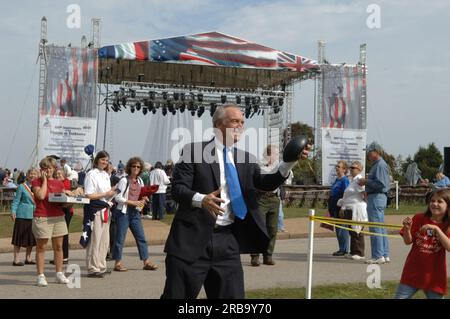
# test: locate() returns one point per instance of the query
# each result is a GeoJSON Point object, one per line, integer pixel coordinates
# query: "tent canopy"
{"type": "Point", "coordinates": [204, 59]}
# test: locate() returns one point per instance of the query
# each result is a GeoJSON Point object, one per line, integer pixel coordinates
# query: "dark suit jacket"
{"type": "Point", "coordinates": [192, 227]}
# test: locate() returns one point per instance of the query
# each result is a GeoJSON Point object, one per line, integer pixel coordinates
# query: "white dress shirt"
{"type": "Point", "coordinates": [228, 217]}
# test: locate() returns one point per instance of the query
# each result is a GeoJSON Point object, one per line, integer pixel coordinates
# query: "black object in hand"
{"type": "Point", "coordinates": [294, 148]}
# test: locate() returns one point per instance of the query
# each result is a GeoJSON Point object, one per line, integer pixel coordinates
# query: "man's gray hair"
{"type": "Point", "coordinates": [219, 114]}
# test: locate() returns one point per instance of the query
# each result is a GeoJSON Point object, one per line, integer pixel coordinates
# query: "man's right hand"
{"type": "Point", "coordinates": [211, 203]}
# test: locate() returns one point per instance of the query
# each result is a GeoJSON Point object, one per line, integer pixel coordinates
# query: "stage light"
{"type": "Point", "coordinates": [152, 95]}
{"type": "Point", "coordinates": [153, 110]}
{"type": "Point", "coordinates": [182, 107]}
{"type": "Point", "coordinates": [164, 111]}
{"type": "Point", "coordinates": [144, 110]}
{"type": "Point", "coordinates": [247, 111]}
{"type": "Point", "coordinates": [223, 99]}
{"type": "Point", "coordinates": [212, 109]}
{"type": "Point", "coordinates": [247, 101]}
{"type": "Point", "coordinates": [270, 101]}
{"type": "Point", "coordinates": [176, 96]}
{"type": "Point", "coordinates": [133, 93]}
{"type": "Point", "coordinates": [200, 97]}
{"type": "Point", "coordinates": [200, 111]}
{"type": "Point", "coordinates": [182, 97]}
{"type": "Point", "coordinates": [164, 95]}
{"type": "Point", "coordinates": [280, 101]}
{"type": "Point", "coordinates": [138, 105]}
{"type": "Point", "coordinates": [132, 109]}
{"type": "Point", "coordinates": [238, 99]}
{"type": "Point", "coordinates": [170, 107]}
{"type": "Point", "coordinates": [115, 106]}
{"type": "Point", "coordinates": [124, 101]}
{"type": "Point", "coordinates": [276, 109]}
{"type": "Point", "coordinates": [192, 108]}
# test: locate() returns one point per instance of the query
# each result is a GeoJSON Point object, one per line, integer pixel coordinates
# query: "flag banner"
{"type": "Point", "coordinates": [341, 144]}
{"type": "Point", "coordinates": [342, 104]}
{"type": "Point", "coordinates": [212, 48]}
{"type": "Point", "coordinates": [68, 117]}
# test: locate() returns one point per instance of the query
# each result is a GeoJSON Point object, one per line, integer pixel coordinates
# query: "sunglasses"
{"type": "Point", "coordinates": [354, 167]}
{"type": "Point", "coordinates": [135, 166]}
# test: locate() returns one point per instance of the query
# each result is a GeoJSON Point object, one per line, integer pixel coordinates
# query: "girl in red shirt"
{"type": "Point", "coordinates": [425, 267]}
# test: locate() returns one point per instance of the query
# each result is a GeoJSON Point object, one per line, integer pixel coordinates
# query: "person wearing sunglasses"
{"type": "Point", "coordinates": [127, 215]}
{"type": "Point", "coordinates": [354, 207]}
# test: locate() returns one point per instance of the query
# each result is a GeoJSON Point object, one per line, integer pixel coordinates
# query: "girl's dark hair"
{"type": "Point", "coordinates": [21, 178]}
{"type": "Point", "coordinates": [158, 165]}
{"type": "Point", "coordinates": [101, 154]}
{"type": "Point", "coordinates": [132, 161]}
{"type": "Point", "coordinates": [445, 195]}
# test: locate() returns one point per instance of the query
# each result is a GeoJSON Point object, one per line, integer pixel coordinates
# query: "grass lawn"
{"type": "Point", "coordinates": [338, 291]}
{"type": "Point", "coordinates": [6, 225]}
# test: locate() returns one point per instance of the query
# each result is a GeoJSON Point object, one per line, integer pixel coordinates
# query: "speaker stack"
{"type": "Point", "coordinates": [447, 161]}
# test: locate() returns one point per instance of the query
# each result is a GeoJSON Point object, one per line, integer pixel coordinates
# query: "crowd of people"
{"type": "Point", "coordinates": [225, 208]}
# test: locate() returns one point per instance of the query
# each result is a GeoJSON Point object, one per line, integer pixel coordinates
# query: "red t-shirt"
{"type": "Point", "coordinates": [44, 208]}
{"type": "Point", "coordinates": [425, 267]}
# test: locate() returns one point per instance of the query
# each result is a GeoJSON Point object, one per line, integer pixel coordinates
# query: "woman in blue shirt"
{"type": "Point", "coordinates": [336, 193]}
{"type": "Point", "coordinates": [22, 210]}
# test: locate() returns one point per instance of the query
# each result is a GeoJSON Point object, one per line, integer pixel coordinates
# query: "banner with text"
{"type": "Point", "coordinates": [67, 137]}
{"type": "Point", "coordinates": [340, 144]}
{"type": "Point", "coordinates": [67, 117]}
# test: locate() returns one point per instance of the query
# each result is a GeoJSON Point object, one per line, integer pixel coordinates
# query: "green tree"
{"type": "Point", "coordinates": [304, 171]}
{"type": "Point", "coordinates": [428, 160]}
{"type": "Point", "coordinates": [299, 128]}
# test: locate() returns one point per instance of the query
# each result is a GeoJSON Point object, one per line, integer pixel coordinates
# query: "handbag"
{"type": "Point", "coordinates": [326, 226]}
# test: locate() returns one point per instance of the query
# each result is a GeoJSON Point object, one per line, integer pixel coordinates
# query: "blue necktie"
{"type": "Point", "coordinates": [237, 200]}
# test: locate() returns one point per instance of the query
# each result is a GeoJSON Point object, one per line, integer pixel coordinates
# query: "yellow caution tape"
{"type": "Point", "coordinates": [363, 231]}
{"type": "Point", "coordinates": [341, 221]}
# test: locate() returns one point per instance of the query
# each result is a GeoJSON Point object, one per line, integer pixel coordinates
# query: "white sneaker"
{"type": "Point", "coordinates": [61, 279]}
{"type": "Point", "coordinates": [348, 256]}
{"type": "Point", "coordinates": [41, 281]}
{"type": "Point", "coordinates": [387, 259]}
{"type": "Point", "coordinates": [357, 257]}
{"type": "Point", "coordinates": [379, 261]}
{"type": "Point", "coordinates": [147, 217]}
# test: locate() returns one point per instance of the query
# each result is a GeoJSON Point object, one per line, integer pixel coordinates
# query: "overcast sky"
{"type": "Point", "coordinates": [408, 59]}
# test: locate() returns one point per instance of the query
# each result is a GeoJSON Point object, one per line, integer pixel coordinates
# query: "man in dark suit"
{"type": "Point", "coordinates": [218, 218]}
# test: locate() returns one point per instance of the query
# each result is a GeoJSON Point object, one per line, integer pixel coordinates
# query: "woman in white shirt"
{"type": "Point", "coordinates": [97, 186]}
{"type": "Point", "coordinates": [353, 206]}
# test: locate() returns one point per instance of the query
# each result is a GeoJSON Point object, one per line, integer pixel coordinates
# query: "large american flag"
{"type": "Point", "coordinates": [71, 82]}
{"type": "Point", "coordinates": [342, 96]}
{"type": "Point", "coordinates": [212, 48]}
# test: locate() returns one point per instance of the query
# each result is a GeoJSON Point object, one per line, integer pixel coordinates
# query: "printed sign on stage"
{"type": "Point", "coordinates": [341, 144]}
{"type": "Point", "coordinates": [66, 137]}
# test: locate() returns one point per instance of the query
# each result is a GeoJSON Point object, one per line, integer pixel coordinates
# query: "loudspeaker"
{"type": "Point", "coordinates": [446, 161]}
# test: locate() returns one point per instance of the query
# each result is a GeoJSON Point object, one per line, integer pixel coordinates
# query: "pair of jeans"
{"type": "Point", "coordinates": [158, 205]}
{"type": "Point", "coordinates": [406, 292]}
{"type": "Point", "coordinates": [281, 217]}
{"type": "Point", "coordinates": [376, 203]}
{"type": "Point", "coordinates": [342, 235]}
{"type": "Point", "coordinates": [132, 220]}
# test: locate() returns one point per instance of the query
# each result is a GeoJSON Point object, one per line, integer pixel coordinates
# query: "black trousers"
{"type": "Point", "coordinates": [68, 218]}
{"type": "Point", "coordinates": [219, 269]}
{"type": "Point", "coordinates": [356, 240]}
